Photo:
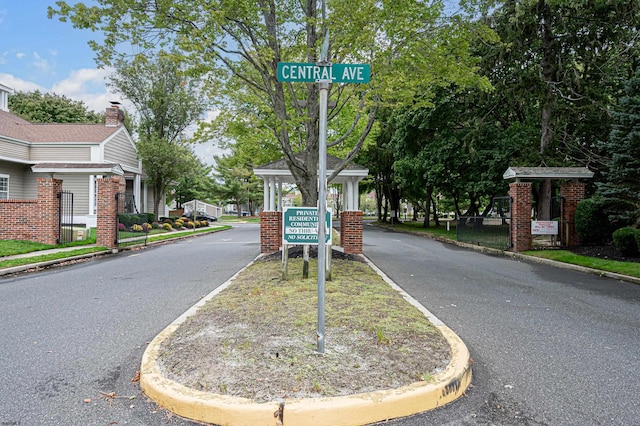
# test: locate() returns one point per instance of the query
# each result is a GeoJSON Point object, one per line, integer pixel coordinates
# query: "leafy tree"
{"type": "Point", "coordinates": [38, 107]}
{"type": "Point", "coordinates": [238, 183]}
{"type": "Point", "coordinates": [164, 163]}
{"type": "Point", "coordinates": [194, 183]}
{"type": "Point", "coordinates": [167, 102]}
{"type": "Point", "coordinates": [238, 45]}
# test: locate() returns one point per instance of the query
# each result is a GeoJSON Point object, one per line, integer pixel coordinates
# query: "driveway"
{"type": "Point", "coordinates": [550, 346]}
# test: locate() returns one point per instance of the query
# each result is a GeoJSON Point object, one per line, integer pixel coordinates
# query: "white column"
{"type": "Point", "coordinates": [265, 194]}
{"type": "Point", "coordinates": [136, 193]}
{"type": "Point", "coordinates": [344, 197]}
{"type": "Point", "coordinates": [272, 194]}
{"type": "Point", "coordinates": [349, 206]}
{"type": "Point", "coordinates": [279, 196]}
{"type": "Point", "coordinates": [356, 194]}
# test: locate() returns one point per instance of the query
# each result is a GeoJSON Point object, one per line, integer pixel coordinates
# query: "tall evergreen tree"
{"type": "Point", "coordinates": [622, 179]}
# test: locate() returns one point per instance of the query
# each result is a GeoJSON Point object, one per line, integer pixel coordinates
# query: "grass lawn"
{"type": "Point", "coordinates": [625, 268]}
{"type": "Point", "coordinates": [417, 227]}
{"type": "Point", "coordinates": [14, 247]}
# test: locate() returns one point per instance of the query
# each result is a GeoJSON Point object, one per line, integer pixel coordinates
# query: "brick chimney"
{"type": "Point", "coordinates": [114, 116]}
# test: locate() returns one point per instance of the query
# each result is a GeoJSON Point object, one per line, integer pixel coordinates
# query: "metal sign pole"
{"type": "Point", "coordinates": [322, 210]}
{"type": "Point", "coordinates": [323, 87]}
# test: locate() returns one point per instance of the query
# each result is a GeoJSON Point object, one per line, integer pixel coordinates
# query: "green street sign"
{"type": "Point", "coordinates": [300, 225]}
{"type": "Point", "coordinates": [336, 73]}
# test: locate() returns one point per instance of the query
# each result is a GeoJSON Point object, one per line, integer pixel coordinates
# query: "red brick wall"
{"type": "Point", "coordinates": [521, 216]}
{"type": "Point", "coordinates": [107, 210]}
{"type": "Point", "coordinates": [33, 220]}
{"type": "Point", "coordinates": [351, 231]}
{"type": "Point", "coordinates": [270, 232]}
{"type": "Point", "coordinates": [573, 193]}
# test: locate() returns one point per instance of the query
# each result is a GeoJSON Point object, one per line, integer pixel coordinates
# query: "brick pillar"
{"type": "Point", "coordinates": [48, 190]}
{"type": "Point", "coordinates": [107, 210]}
{"type": "Point", "coordinates": [572, 193]}
{"type": "Point", "coordinates": [270, 232]}
{"type": "Point", "coordinates": [521, 216]}
{"type": "Point", "coordinates": [351, 231]}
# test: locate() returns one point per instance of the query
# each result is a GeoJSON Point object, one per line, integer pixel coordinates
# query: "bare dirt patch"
{"type": "Point", "coordinates": [257, 338]}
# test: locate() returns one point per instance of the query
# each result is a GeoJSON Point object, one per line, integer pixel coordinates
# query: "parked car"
{"type": "Point", "coordinates": [201, 216]}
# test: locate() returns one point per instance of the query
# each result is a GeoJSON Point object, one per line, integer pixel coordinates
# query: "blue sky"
{"type": "Point", "coordinates": [45, 54]}
{"type": "Point", "coordinates": [38, 53]}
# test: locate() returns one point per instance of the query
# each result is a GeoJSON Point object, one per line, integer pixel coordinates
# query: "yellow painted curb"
{"type": "Point", "coordinates": [356, 409]}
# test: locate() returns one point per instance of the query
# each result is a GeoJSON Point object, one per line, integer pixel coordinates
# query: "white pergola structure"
{"type": "Point", "coordinates": [277, 173]}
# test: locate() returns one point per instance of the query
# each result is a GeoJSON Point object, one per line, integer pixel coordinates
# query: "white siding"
{"type": "Point", "coordinates": [79, 185]}
{"type": "Point", "coordinates": [11, 149]}
{"type": "Point", "coordinates": [61, 154]}
{"type": "Point", "coordinates": [16, 174]}
{"type": "Point", "coordinates": [121, 150]}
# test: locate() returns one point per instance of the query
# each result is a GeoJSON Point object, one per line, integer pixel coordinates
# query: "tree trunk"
{"type": "Point", "coordinates": [547, 74]}
{"type": "Point", "coordinates": [544, 200]}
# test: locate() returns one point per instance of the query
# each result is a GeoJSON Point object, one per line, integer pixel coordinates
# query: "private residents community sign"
{"type": "Point", "coordinates": [300, 225]}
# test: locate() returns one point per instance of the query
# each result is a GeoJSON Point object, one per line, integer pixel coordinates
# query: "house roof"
{"type": "Point", "coordinates": [17, 128]}
{"type": "Point", "coordinates": [547, 173]}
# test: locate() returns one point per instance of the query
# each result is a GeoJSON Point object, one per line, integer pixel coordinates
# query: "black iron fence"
{"type": "Point", "coordinates": [66, 231]}
{"type": "Point", "coordinates": [132, 228]}
{"type": "Point", "coordinates": [492, 230]}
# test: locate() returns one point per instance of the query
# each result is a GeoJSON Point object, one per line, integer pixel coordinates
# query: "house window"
{"type": "Point", "coordinates": [4, 187]}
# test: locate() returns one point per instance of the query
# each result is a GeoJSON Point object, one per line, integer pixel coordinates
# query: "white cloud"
{"type": "Point", "coordinates": [89, 86]}
{"type": "Point", "coordinates": [18, 84]}
{"type": "Point", "coordinates": [41, 63]}
{"type": "Point", "coordinates": [20, 55]}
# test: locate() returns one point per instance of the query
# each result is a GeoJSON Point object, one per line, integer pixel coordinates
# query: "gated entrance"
{"type": "Point", "coordinates": [492, 230]}
{"type": "Point", "coordinates": [65, 218]}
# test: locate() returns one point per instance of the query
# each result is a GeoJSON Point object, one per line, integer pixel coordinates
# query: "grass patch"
{"type": "Point", "coordinates": [258, 336]}
{"type": "Point", "coordinates": [174, 234]}
{"type": "Point", "coordinates": [625, 268]}
{"type": "Point", "coordinates": [10, 263]}
{"type": "Point", "coordinates": [243, 219]}
{"type": "Point", "coordinates": [416, 227]}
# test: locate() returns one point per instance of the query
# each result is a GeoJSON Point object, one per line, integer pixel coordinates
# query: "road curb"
{"type": "Point", "coordinates": [357, 409]}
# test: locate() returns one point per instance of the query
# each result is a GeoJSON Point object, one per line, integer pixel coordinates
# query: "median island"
{"type": "Point", "coordinates": [255, 340]}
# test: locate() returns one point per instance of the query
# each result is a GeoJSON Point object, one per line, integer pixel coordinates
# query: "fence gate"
{"type": "Point", "coordinates": [65, 217]}
{"type": "Point", "coordinates": [492, 230]}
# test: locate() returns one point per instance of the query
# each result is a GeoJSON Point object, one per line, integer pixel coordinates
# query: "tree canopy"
{"type": "Point", "coordinates": [237, 46]}
{"type": "Point", "coordinates": [38, 107]}
{"type": "Point", "coordinates": [167, 102]}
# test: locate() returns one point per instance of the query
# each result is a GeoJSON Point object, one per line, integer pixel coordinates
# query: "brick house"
{"type": "Point", "coordinates": [76, 154]}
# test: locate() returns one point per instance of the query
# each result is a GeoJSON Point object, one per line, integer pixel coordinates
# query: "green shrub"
{"type": "Point", "coordinates": [597, 218]}
{"type": "Point", "coordinates": [167, 226]}
{"type": "Point", "coordinates": [625, 241]}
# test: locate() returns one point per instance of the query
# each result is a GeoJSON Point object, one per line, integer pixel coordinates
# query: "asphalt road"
{"type": "Point", "coordinates": [550, 346]}
{"type": "Point", "coordinates": [67, 334]}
